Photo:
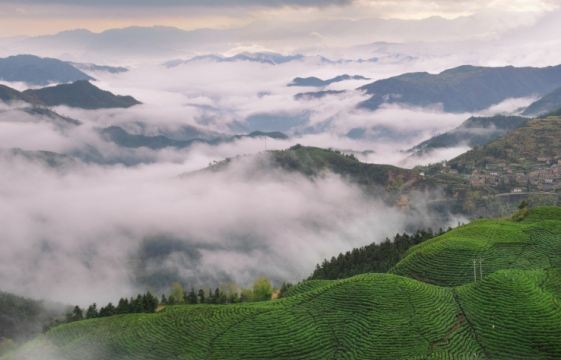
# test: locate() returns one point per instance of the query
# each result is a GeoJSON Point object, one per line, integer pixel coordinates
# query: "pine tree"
{"type": "Point", "coordinates": [192, 297]}
{"type": "Point", "coordinates": [92, 312]}
{"type": "Point", "coordinates": [201, 296]}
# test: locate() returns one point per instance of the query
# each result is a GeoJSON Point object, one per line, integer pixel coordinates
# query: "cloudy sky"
{"type": "Point", "coordinates": [35, 17]}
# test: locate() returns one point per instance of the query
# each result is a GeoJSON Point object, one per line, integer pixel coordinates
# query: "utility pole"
{"type": "Point", "coordinates": [474, 271]}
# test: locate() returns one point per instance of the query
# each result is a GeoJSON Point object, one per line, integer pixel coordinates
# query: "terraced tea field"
{"type": "Point", "coordinates": [447, 260]}
{"type": "Point", "coordinates": [513, 312]}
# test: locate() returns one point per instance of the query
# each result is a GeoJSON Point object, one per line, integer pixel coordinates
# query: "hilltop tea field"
{"type": "Point", "coordinates": [487, 290]}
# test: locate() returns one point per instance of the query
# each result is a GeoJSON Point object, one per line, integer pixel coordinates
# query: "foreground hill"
{"type": "Point", "coordinates": [511, 312]}
{"type": "Point", "coordinates": [80, 94]}
{"type": "Point", "coordinates": [39, 71]}
{"type": "Point", "coordinates": [463, 89]}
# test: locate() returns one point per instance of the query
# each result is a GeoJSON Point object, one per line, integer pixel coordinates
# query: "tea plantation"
{"type": "Point", "coordinates": [428, 307]}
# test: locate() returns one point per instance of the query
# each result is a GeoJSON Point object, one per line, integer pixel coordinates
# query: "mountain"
{"type": "Point", "coordinates": [51, 116]}
{"type": "Point", "coordinates": [9, 95]}
{"type": "Point", "coordinates": [473, 132]}
{"type": "Point", "coordinates": [317, 94]}
{"type": "Point", "coordinates": [317, 82]}
{"type": "Point", "coordinates": [462, 89]}
{"type": "Point", "coordinates": [39, 71]}
{"type": "Point", "coordinates": [489, 289]}
{"type": "Point", "coordinates": [33, 106]}
{"type": "Point", "coordinates": [81, 94]}
{"type": "Point", "coordinates": [123, 138]}
{"type": "Point", "coordinates": [316, 162]}
{"type": "Point", "coordinates": [87, 67]}
{"type": "Point", "coordinates": [545, 105]}
{"type": "Point", "coordinates": [258, 57]}
{"type": "Point", "coordinates": [533, 145]}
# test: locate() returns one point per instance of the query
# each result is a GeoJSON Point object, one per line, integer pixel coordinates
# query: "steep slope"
{"type": "Point", "coordinates": [475, 131]}
{"type": "Point", "coordinates": [39, 71]}
{"type": "Point", "coordinates": [463, 89]}
{"type": "Point", "coordinates": [81, 94]}
{"type": "Point", "coordinates": [545, 105]}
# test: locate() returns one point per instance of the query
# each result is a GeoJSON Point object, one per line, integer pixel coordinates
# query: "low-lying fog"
{"type": "Point", "coordinates": [84, 229]}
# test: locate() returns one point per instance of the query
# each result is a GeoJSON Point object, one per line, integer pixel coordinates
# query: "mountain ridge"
{"type": "Point", "coordinates": [464, 88]}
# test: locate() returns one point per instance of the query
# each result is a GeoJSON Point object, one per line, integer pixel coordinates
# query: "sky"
{"type": "Point", "coordinates": [37, 17]}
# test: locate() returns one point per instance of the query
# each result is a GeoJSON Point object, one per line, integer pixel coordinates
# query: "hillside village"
{"type": "Point", "coordinates": [544, 175]}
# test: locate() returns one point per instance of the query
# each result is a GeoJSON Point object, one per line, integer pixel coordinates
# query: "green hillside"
{"type": "Point", "coordinates": [447, 260]}
{"type": "Point", "coordinates": [519, 148]}
{"type": "Point", "coordinates": [475, 131]}
{"type": "Point", "coordinates": [314, 162]}
{"type": "Point", "coordinates": [429, 308]}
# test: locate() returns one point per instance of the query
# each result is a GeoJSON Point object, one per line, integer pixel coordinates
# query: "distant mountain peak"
{"type": "Point", "coordinates": [313, 81]}
{"type": "Point", "coordinates": [82, 94]}
{"type": "Point", "coordinates": [464, 88]}
{"type": "Point", "coordinates": [37, 70]}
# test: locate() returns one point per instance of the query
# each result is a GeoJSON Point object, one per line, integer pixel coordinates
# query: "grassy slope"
{"type": "Point", "coordinates": [514, 313]}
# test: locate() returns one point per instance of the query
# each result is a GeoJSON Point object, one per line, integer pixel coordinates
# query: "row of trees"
{"type": "Point", "coordinates": [142, 303]}
{"type": "Point", "coordinates": [147, 303]}
{"type": "Point", "coordinates": [371, 258]}
{"type": "Point", "coordinates": [229, 294]}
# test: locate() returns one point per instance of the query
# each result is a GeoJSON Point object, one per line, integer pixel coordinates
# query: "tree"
{"type": "Point", "coordinates": [284, 288]}
{"type": "Point", "coordinates": [210, 298]}
{"type": "Point", "coordinates": [149, 302]}
{"type": "Point", "coordinates": [201, 296]}
{"type": "Point", "coordinates": [76, 315]}
{"type": "Point", "coordinates": [177, 293]}
{"type": "Point", "coordinates": [246, 295]}
{"type": "Point", "coordinates": [231, 291]}
{"type": "Point", "coordinates": [123, 306]}
{"type": "Point", "coordinates": [92, 311]}
{"type": "Point", "coordinates": [262, 289]}
{"type": "Point", "coordinates": [108, 310]}
{"type": "Point", "coordinates": [192, 297]}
